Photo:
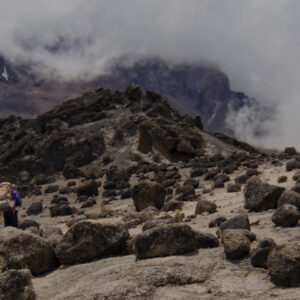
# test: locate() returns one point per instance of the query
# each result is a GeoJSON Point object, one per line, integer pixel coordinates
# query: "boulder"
{"type": "Point", "coordinates": [286, 215]}
{"type": "Point", "coordinates": [234, 188]}
{"type": "Point", "coordinates": [19, 249]}
{"type": "Point", "coordinates": [192, 182]}
{"type": "Point", "coordinates": [160, 222]}
{"type": "Point", "coordinates": [215, 222]}
{"type": "Point", "coordinates": [296, 176]}
{"type": "Point", "coordinates": [261, 196]}
{"type": "Point", "coordinates": [71, 172]}
{"type": "Point", "coordinates": [241, 179]}
{"type": "Point", "coordinates": [260, 254]}
{"type": "Point", "coordinates": [148, 194]}
{"type": "Point", "coordinates": [89, 188]}
{"type": "Point", "coordinates": [240, 221]}
{"type": "Point", "coordinates": [16, 285]}
{"type": "Point", "coordinates": [282, 179]}
{"type": "Point", "coordinates": [247, 233]}
{"type": "Point", "coordinates": [292, 164]}
{"type": "Point", "coordinates": [289, 197]}
{"type": "Point", "coordinates": [51, 189]}
{"type": "Point", "coordinates": [62, 209]}
{"type": "Point", "coordinates": [35, 208]}
{"type": "Point", "coordinates": [290, 150]}
{"type": "Point", "coordinates": [87, 240]}
{"type": "Point", "coordinates": [284, 264]}
{"type": "Point", "coordinates": [185, 190]}
{"type": "Point", "coordinates": [165, 240]}
{"type": "Point", "coordinates": [172, 205]}
{"type": "Point", "coordinates": [236, 245]}
{"type": "Point", "coordinates": [29, 223]}
{"type": "Point", "coordinates": [206, 240]}
{"type": "Point", "coordinates": [296, 188]}
{"type": "Point", "coordinates": [205, 206]}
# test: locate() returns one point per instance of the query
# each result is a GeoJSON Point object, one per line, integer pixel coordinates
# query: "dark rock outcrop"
{"type": "Point", "coordinates": [16, 285]}
{"type": "Point", "coordinates": [260, 254]}
{"type": "Point", "coordinates": [19, 249]}
{"type": "Point", "coordinates": [261, 196]}
{"type": "Point", "coordinates": [284, 264]}
{"type": "Point", "coordinates": [205, 206]}
{"type": "Point", "coordinates": [287, 215]}
{"type": "Point", "coordinates": [148, 194]}
{"type": "Point", "coordinates": [236, 245]}
{"type": "Point", "coordinates": [86, 241]}
{"type": "Point", "coordinates": [35, 208]}
{"type": "Point", "coordinates": [240, 221]}
{"type": "Point", "coordinates": [165, 240]}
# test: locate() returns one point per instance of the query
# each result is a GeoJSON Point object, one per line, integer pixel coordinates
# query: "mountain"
{"type": "Point", "coordinates": [81, 131]}
{"type": "Point", "coordinates": [192, 89]}
{"type": "Point", "coordinates": [125, 198]}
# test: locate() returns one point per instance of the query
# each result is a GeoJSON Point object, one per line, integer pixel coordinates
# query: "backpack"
{"type": "Point", "coordinates": [18, 199]}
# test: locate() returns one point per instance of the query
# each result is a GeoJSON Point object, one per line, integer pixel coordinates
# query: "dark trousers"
{"type": "Point", "coordinates": [11, 218]}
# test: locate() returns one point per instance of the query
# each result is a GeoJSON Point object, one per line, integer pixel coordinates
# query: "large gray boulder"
{"type": "Point", "coordinates": [260, 254]}
{"type": "Point", "coordinates": [261, 196]}
{"type": "Point", "coordinates": [236, 245]}
{"type": "Point", "coordinates": [289, 197]}
{"type": "Point", "coordinates": [292, 164]}
{"type": "Point", "coordinates": [147, 194]}
{"type": "Point", "coordinates": [165, 240]}
{"type": "Point", "coordinates": [284, 264]}
{"type": "Point", "coordinates": [286, 215]}
{"type": "Point", "coordinates": [87, 240]}
{"type": "Point", "coordinates": [240, 221]}
{"type": "Point", "coordinates": [205, 206]}
{"type": "Point", "coordinates": [16, 285]}
{"type": "Point", "coordinates": [19, 249]}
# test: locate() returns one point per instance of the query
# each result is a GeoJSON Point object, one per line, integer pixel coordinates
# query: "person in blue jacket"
{"type": "Point", "coordinates": [11, 214]}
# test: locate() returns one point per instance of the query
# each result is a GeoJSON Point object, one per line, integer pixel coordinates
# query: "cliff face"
{"type": "Point", "coordinates": [195, 90]}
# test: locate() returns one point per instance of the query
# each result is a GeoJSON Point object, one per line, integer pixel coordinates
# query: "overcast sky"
{"type": "Point", "coordinates": [255, 42]}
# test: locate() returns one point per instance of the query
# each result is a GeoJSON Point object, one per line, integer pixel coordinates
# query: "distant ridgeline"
{"type": "Point", "coordinates": [191, 89]}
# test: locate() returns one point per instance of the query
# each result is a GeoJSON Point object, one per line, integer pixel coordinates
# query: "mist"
{"type": "Point", "coordinates": [256, 43]}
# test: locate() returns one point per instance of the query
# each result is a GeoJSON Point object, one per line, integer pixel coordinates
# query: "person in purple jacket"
{"type": "Point", "coordinates": [11, 214]}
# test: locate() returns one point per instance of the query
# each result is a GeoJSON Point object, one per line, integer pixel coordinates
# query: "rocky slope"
{"type": "Point", "coordinates": [124, 198]}
{"type": "Point", "coordinates": [195, 90]}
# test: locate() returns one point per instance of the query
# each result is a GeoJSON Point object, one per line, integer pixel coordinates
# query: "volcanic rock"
{"type": "Point", "coordinates": [261, 196]}
{"type": "Point", "coordinates": [21, 249]}
{"type": "Point", "coordinates": [260, 254]}
{"type": "Point", "coordinates": [165, 240]}
{"type": "Point", "coordinates": [35, 208]}
{"type": "Point", "coordinates": [284, 264]}
{"type": "Point", "coordinates": [205, 206]}
{"type": "Point", "coordinates": [148, 194]}
{"type": "Point", "coordinates": [236, 245]}
{"type": "Point", "coordinates": [287, 215]}
{"type": "Point", "coordinates": [240, 221]}
{"type": "Point", "coordinates": [86, 241]}
{"type": "Point", "coordinates": [16, 285]}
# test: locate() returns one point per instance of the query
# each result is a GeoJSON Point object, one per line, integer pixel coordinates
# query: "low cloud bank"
{"type": "Point", "coordinates": [256, 43]}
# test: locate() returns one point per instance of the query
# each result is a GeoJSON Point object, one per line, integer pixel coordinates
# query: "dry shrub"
{"type": "Point", "coordinates": [93, 214]}
{"type": "Point", "coordinates": [178, 217]}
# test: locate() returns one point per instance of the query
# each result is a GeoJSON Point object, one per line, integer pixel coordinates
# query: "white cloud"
{"type": "Point", "coordinates": [255, 42]}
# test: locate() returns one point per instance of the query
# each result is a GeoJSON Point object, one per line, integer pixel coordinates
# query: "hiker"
{"type": "Point", "coordinates": [11, 214]}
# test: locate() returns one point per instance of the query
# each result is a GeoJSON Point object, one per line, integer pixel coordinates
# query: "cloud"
{"type": "Point", "coordinates": [256, 43]}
